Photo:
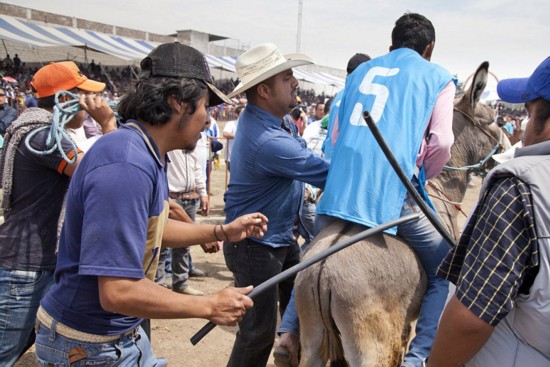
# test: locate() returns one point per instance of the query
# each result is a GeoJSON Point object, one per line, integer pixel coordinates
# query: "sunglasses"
{"type": "Point", "coordinates": [2, 95]}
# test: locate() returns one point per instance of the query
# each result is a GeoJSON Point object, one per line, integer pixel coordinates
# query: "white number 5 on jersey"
{"type": "Point", "coordinates": [380, 92]}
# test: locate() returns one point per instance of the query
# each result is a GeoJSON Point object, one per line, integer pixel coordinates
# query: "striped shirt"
{"type": "Point", "coordinates": [497, 255]}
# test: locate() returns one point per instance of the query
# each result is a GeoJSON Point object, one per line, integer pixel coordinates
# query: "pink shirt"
{"type": "Point", "coordinates": [435, 152]}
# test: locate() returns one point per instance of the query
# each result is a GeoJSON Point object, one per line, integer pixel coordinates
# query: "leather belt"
{"type": "Point", "coordinates": [191, 195]}
{"type": "Point", "coordinates": [71, 333]}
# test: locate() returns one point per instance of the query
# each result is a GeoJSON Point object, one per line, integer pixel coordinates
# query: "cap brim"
{"type": "Point", "coordinates": [216, 96]}
{"type": "Point", "coordinates": [514, 90]}
{"type": "Point", "coordinates": [293, 60]}
{"type": "Point", "coordinates": [91, 86]}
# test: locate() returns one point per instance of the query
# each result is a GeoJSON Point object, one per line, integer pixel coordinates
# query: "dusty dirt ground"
{"type": "Point", "coordinates": [170, 338]}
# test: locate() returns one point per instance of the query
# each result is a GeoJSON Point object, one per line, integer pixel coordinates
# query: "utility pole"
{"type": "Point", "coordinates": [299, 32]}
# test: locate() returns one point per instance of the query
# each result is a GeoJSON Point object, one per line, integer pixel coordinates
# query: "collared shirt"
{"type": "Point", "coordinates": [185, 172]}
{"type": "Point", "coordinates": [267, 166]}
{"type": "Point", "coordinates": [497, 255]}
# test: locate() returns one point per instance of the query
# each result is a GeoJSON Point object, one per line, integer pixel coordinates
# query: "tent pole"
{"type": "Point", "coordinates": [5, 48]}
{"type": "Point", "coordinates": [108, 78]}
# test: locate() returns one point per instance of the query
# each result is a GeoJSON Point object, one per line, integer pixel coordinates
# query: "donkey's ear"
{"type": "Point", "coordinates": [478, 84]}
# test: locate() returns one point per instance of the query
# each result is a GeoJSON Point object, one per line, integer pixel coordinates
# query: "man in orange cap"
{"type": "Point", "coordinates": [34, 185]}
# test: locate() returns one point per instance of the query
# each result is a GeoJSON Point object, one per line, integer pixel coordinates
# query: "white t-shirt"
{"type": "Point", "coordinates": [230, 128]}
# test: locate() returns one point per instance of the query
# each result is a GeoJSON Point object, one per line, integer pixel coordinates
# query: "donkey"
{"type": "Point", "coordinates": [357, 306]}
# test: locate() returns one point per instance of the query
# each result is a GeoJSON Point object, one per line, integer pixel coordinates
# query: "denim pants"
{"type": "Point", "coordinates": [180, 257]}
{"type": "Point", "coordinates": [252, 263]}
{"type": "Point", "coordinates": [307, 223]}
{"type": "Point", "coordinates": [20, 294]}
{"type": "Point", "coordinates": [431, 249]}
{"type": "Point", "coordinates": [289, 321]}
{"type": "Point", "coordinates": [53, 349]}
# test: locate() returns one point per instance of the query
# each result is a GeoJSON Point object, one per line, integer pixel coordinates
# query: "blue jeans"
{"type": "Point", "coordinates": [431, 249]}
{"type": "Point", "coordinates": [53, 349]}
{"type": "Point", "coordinates": [20, 294]}
{"type": "Point", "coordinates": [181, 257]}
{"type": "Point", "coordinates": [307, 223]}
{"type": "Point", "coordinates": [178, 258]}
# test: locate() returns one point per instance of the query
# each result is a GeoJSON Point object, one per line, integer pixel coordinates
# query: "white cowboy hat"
{"type": "Point", "coordinates": [262, 62]}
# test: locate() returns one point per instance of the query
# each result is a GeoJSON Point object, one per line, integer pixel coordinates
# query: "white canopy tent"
{"type": "Point", "coordinates": [42, 36]}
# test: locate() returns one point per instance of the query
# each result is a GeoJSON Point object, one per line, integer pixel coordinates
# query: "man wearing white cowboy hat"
{"type": "Point", "coordinates": [269, 166]}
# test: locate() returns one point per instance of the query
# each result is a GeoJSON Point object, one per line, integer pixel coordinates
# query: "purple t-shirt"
{"type": "Point", "coordinates": [117, 207]}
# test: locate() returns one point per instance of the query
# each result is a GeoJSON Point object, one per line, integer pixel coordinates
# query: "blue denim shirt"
{"type": "Point", "coordinates": [268, 166]}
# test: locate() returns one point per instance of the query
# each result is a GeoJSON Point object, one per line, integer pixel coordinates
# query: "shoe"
{"type": "Point", "coordinates": [287, 351]}
{"type": "Point", "coordinates": [162, 362]}
{"type": "Point", "coordinates": [197, 273]}
{"type": "Point", "coordinates": [191, 291]}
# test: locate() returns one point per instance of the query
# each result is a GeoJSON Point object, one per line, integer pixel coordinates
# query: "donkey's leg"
{"type": "Point", "coordinates": [311, 340]}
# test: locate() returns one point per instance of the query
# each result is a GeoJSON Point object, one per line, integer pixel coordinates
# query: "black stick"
{"type": "Point", "coordinates": [308, 262]}
{"type": "Point", "coordinates": [405, 180]}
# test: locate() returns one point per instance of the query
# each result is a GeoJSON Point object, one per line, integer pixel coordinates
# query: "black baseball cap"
{"type": "Point", "coordinates": [174, 60]}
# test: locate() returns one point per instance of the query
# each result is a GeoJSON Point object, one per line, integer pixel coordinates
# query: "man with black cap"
{"type": "Point", "coordinates": [500, 312]}
{"type": "Point", "coordinates": [104, 276]}
{"type": "Point", "coordinates": [269, 166]}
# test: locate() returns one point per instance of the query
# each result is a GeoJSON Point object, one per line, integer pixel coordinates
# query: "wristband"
{"type": "Point", "coordinates": [215, 234]}
{"type": "Point", "coordinates": [225, 234]}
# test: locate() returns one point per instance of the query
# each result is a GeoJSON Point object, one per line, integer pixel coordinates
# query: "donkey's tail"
{"type": "Point", "coordinates": [331, 346]}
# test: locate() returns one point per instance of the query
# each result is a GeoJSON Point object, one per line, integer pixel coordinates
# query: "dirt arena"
{"type": "Point", "coordinates": [170, 338]}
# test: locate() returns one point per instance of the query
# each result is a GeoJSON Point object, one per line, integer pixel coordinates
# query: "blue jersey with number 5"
{"type": "Point", "coordinates": [399, 90]}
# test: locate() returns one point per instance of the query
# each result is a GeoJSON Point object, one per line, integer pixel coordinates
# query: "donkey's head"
{"type": "Point", "coordinates": [476, 133]}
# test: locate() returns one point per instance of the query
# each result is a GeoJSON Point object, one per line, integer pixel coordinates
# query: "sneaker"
{"type": "Point", "coordinates": [287, 351]}
{"type": "Point", "coordinates": [194, 272]}
{"type": "Point", "coordinates": [190, 291]}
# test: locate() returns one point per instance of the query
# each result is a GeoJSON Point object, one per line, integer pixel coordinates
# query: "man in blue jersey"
{"type": "Point", "coordinates": [411, 100]}
{"type": "Point", "coordinates": [269, 166]}
{"type": "Point", "coordinates": [117, 218]}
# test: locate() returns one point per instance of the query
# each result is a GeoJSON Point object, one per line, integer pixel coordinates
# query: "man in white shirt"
{"type": "Point", "coordinates": [229, 132]}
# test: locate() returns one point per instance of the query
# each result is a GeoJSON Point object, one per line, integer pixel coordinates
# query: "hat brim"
{"type": "Point", "coordinates": [216, 96]}
{"type": "Point", "coordinates": [293, 60]}
{"type": "Point", "coordinates": [515, 90]}
{"type": "Point", "coordinates": [91, 86]}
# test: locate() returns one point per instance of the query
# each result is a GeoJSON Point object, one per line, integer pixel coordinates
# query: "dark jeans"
{"type": "Point", "coordinates": [253, 263]}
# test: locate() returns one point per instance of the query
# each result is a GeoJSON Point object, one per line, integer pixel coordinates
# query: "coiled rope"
{"type": "Point", "coordinates": [63, 112]}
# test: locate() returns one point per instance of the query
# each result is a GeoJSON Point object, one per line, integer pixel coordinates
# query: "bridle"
{"type": "Point", "coordinates": [480, 166]}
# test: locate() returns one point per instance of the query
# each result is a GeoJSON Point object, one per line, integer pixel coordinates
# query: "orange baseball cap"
{"type": "Point", "coordinates": [64, 75]}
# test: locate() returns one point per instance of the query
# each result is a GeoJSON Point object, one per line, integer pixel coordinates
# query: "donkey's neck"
{"type": "Point", "coordinates": [453, 183]}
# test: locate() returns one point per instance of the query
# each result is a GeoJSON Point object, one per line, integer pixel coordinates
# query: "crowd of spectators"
{"type": "Point", "coordinates": [16, 78]}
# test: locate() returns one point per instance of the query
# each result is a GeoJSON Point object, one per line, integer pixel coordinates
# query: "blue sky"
{"type": "Point", "coordinates": [512, 35]}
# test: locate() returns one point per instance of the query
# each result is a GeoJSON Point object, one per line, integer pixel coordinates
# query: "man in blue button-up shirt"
{"type": "Point", "coordinates": [268, 168]}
